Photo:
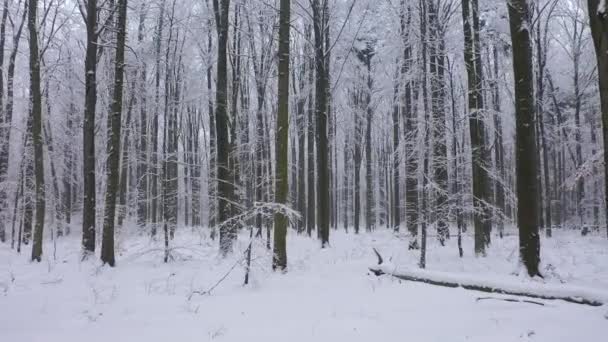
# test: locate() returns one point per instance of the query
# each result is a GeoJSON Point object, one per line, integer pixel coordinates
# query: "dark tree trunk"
{"type": "Point", "coordinates": [411, 131]}
{"type": "Point", "coordinates": [357, 158]}
{"type": "Point", "coordinates": [599, 33]}
{"type": "Point", "coordinates": [69, 156]}
{"type": "Point", "coordinates": [224, 178]}
{"type": "Point", "coordinates": [425, 168]}
{"type": "Point", "coordinates": [301, 136]}
{"type": "Point", "coordinates": [476, 125]}
{"type": "Point", "coordinates": [90, 69]}
{"type": "Point", "coordinates": [370, 217]}
{"type": "Point", "coordinates": [311, 202]}
{"type": "Point", "coordinates": [526, 163]}
{"type": "Point", "coordinates": [279, 261]}
{"type": "Point", "coordinates": [321, 92]}
{"type": "Point", "coordinates": [37, 138]}
{"type": "Point", "coordinates": [113, 148]}
{"type": "Point", "coordinates": [212, 153]}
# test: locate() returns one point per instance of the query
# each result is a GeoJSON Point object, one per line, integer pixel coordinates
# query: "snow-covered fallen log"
{"type": "Point", "coordinates": [571, 294]}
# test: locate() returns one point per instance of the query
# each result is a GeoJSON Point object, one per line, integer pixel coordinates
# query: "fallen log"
{"type": "Point", "coordinates": [511, 300]}
{"type": "Point", "coordinates": [574, 295]}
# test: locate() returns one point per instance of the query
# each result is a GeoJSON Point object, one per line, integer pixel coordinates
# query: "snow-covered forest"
{"type": "Point", "coordinates": [264, 170]}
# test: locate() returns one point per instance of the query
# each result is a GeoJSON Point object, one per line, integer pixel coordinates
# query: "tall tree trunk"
{"type": "Point", "coordinates": [224, 186]}
{"type": "Point", "coordinates": [212, 173]}
{"type": "Point", "coordinates": [114, 128]}
{"type": "Point", "coordinates": [499, 200]}
{"type": "Point", "coordinates": [68, 152]}
{"type": "Point", "coordinates": [440, 159]}
{"type": "Point", "coordinates": [476, 125]}
{"type": "Point", "coordinates": [279, 260]}
{"type": "Point", "coordinates": [142, 162]}
{"type": "Point", "coordinates": [6, 117]}
{"type": "Point", "coordinates": [3, 195]}
{"type": "Point", "coordinates": [311, 201]}
{"type": "Point", "coordinates": [395, 159]}
{"type": "Point", "coordinates": [346, 189]}
{"type": "Point", "coordinates": [410, 130]}
{"type": "Point", "coordinates": [527, 185]}
{"type": "Point", "coordinates": [36, 96]}
{"type": "Point", "coordinates": [154, 170]}
{"type": "Point", "coordinates": [321, 92]}
{"type": "Point", "coordinates": [599, 32]}
{"type": "Point", "coordinates": [426, 143]}
{"type": "Point", "coordinates": [90, 68]}
{"type": "Point", "coordinates": [357, 158]}
{"type": "Point", "coordinates": [301, 136]}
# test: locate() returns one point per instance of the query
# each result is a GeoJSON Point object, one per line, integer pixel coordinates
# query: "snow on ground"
{"type": "Point", "coordinates": [327, 295]}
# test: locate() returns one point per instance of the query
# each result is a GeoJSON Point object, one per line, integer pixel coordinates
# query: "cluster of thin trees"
{"type": "Point", "coordinates": [427, 115]}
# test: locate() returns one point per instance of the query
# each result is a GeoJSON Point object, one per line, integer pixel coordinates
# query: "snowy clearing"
{"type": "Point", "coordinates": [327, 295]}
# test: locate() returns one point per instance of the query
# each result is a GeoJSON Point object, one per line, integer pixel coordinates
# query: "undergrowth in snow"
{"type": "Point", "coordinates": [327, 295]}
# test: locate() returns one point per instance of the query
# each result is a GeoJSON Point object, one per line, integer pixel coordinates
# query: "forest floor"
{"type": "Point", "coordinates": [327, 295]}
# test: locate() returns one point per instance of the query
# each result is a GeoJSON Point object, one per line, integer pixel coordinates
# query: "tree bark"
{"type": "Point", "coordinates": [90, 69]}
{"type": "Point", "coordinates": [37, 138]}
{"type": "Point", "coordinates": [224, 179]}
{"type": "Point", "coordinates": [114, 129]}
{"type": "Point", "coordinates": [599, 31]}
{"type": "Point", "coordinates": [279, 260]}
{"type": "Point", "coordinates": [526, 163]}
{"type": "Point", "coordinates": [321, 92]}
{"type": "Point", "coordinates": [476, 125]}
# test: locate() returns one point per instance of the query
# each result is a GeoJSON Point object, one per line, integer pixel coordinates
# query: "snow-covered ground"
{"type": "Point", "coordinates": [327, 295]}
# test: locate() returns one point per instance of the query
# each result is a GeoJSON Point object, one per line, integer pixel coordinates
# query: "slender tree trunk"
{"type": "Point", "coordinates": [499, 200]}
{"type": "Point", "coordinates": [410, 130]}
{"type": "Point", "coordinates": [311, 201]}
{"type": "Point", "coordinates": [143, 157]}
{"type": "Point", "coordinates": [88, 209]}
{"type": "Point", "coordinates": [3, 141]}
{"type": "Point", "coordinates": [37, 138]}
{"type": "Point", "coordinates": [395, 160]}
{"type": "Point", "coordinates": [154, 170]}
{"type": "Point", "coordinates": [357, 159]}
{"type": "Point", "coordinates": [321, 86]}
{"type": "Point", "coordinates": [370, 217]}
{"type": "Point", "coordinates": [6, 117]}
{"type": "Point", "coordinates": [301, 136]}
{"type": "Point", "coordinates": [426, 143]}
{"type": "Point", "coordinates": [125, 167]}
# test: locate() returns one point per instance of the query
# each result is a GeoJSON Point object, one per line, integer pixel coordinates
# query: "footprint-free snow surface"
{"type": "Point", "coordinates": [327, 295]}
